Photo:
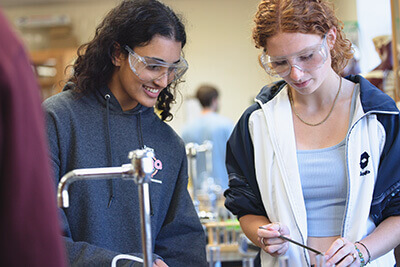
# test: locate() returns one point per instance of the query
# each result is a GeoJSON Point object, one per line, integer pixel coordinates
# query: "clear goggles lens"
{"type": "Point", "coordinates": [307, 60]}
{"type": "Point", "coordinates": [150, 69]}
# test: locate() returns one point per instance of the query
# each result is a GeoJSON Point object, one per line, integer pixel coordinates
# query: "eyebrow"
{"type": "Point", "coordinates": [162, 60]}
{"type": "Point", "coordinates": [301, 51]}
{"type": "Point", "coordinates": [130, 50]}
{"type": "Point", "coordinates": [297, 53]}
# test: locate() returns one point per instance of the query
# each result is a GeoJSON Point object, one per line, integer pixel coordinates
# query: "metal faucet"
{"type": "Point", "coordinates": [140, 171]}
{"type": "Point", "coordinates": [192, 149]}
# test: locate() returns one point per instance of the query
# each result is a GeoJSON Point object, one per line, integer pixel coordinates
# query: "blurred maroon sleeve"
{"type": "Point", "coordinates": [29, 225]}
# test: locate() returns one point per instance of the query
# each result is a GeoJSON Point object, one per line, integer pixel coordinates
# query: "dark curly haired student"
{"type": "Point", "coordinates": [105, 111]}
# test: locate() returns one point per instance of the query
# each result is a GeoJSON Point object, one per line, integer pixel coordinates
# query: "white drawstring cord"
{"type": "Point", "coordinates": [124, 257]}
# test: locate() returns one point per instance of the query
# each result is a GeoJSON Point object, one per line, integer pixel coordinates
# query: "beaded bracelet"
{"type": "Point", "coordinates": [369, 254]}
{"type": "Point", "coordinates": [362, 260]}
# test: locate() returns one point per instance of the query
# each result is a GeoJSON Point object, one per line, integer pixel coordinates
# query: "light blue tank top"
{"type": "Point", "coordinates": [324, 182]}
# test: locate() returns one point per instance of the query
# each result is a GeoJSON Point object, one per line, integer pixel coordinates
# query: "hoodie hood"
{"type": "Point", "coordinates": [114, 106]}
{"type": "Point", "coordinates": [270, 91]}
{"type": "Point", "coordinates": [372, 99]}
{"type": "Point", "coordinates": [100, 97]}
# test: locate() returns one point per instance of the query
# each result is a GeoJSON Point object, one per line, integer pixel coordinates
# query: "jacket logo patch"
{"type": "Point", "coordinates": [364, 164]}
{"type": "Point", "coordinates": [157, 164]}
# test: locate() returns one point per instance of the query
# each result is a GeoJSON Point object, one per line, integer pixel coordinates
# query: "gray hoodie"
{"type": "Point", "coordinates": [92, 130]}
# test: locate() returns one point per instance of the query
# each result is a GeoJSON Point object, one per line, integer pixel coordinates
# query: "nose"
{"type": "Point", "coordinates": [296, 73]}
{"type": "Point", "coordinates": [162, 81]}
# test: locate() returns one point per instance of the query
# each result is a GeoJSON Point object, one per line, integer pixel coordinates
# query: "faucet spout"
{"type": "Point", "coordinates": [125, 171]}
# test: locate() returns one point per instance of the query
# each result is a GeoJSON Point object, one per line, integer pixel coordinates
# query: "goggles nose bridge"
{"type": "Point", "coordinates": [291, 72]}
{"type": "Point", "coordinates": [295, 66]}
{"type": "Point", "coordinates": [290, 67]}
{"type": "Point", "coordinates": [168, 73]}
{"type": "Point", "coordinates": [162, 80]}
{"type": "Point", "coordinates": [164, 74]}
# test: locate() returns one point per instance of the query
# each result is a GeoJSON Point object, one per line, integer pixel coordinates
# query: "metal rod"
{"type": "Point", "coordinates": [191, 153]}
{"type": "Point", "coordinates": [142, 160]}
{"type": "Point", "coordinates": [301, 245]}
{"type": "Point", "coordinates": [295, 242]}
{"type": "Point", "coordinates": [207, 147]}
{"type": "Point", "coordinates": [145, 225]}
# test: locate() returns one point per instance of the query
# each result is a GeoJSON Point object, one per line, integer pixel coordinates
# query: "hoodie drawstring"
{"type": "Point", "coordinates": [139, 131]}
{"type": "Point", "coordinates": [141, 143]}
{"type": "Point", "coordinates": [110, 157]}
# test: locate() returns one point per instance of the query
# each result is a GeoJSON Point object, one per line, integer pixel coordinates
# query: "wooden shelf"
{"type": "Point", "coordinates": [56, 60]}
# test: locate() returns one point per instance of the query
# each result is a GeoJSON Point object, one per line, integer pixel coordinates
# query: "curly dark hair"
{"type": "Point", "coordinates": [133, 23]}
{"type": "Point", "coordinates": [304, 16]}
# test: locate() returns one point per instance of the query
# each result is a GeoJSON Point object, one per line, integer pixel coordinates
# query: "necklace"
{"type": "Point", "coordinates": [327, 116]}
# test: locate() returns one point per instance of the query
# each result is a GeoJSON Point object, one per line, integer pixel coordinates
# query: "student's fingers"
{"type": "Point", "coordinates": [273, 230]}
{"type": "Point", "coordinates": [276, 250]}
{"type": "Point", "coordinates": [159, 263]}
{"type": "Point", "coordinates": [341, 253]}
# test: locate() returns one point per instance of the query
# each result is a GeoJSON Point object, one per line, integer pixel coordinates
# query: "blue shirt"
{"type": "Point", "coordinates": [217, 129]}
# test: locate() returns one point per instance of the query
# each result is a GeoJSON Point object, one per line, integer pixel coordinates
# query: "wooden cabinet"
{"type": "Point", "coordinates": [50, 68]}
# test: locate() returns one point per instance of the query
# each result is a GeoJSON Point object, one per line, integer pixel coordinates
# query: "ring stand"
{"type": "Point", "coordinates": [139, 171]}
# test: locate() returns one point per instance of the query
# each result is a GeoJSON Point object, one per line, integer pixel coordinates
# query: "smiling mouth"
{"type": "Point", "coordinates": [151, 90]}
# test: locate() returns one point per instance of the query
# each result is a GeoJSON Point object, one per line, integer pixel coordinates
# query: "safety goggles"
{"type": "Point", "coordinates": [309, 59]}
{"type": "Point", "coordinates": [149, 69]}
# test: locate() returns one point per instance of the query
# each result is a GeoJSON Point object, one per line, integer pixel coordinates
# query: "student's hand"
{"type": "Point", "coordinates": [159, 263]}
{"type": "Point", "coordinates": [342, 253]}
{"type": "Point", "coordinates": [268, 237]}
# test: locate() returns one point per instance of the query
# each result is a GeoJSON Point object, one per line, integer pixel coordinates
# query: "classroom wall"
{"type": "Point", "coordinates": [220, 51]}
{"type": "Point", "coordinates": [374, 20]}
{"type": "Point", "coordinates": [346, 10]}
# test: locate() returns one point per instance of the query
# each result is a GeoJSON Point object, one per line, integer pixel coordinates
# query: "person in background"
{"type": "Point", "coordinates": [315, 158]}
{"type": "Point", "coordinates": [29, 226]}
{"type": "Point", "coordinates": [210, 126]}
{"type": "Point", "coordinates": [353, 67]}
{"type": "Point", "coordinates": [106, 110]}
{"type": "Point", "coordinates": [382, 76]}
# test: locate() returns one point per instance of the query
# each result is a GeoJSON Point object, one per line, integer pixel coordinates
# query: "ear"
{"type": "Point", "coordinates": [331, 37]}
{"type": "Point", "coordinates": [116, 55]}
